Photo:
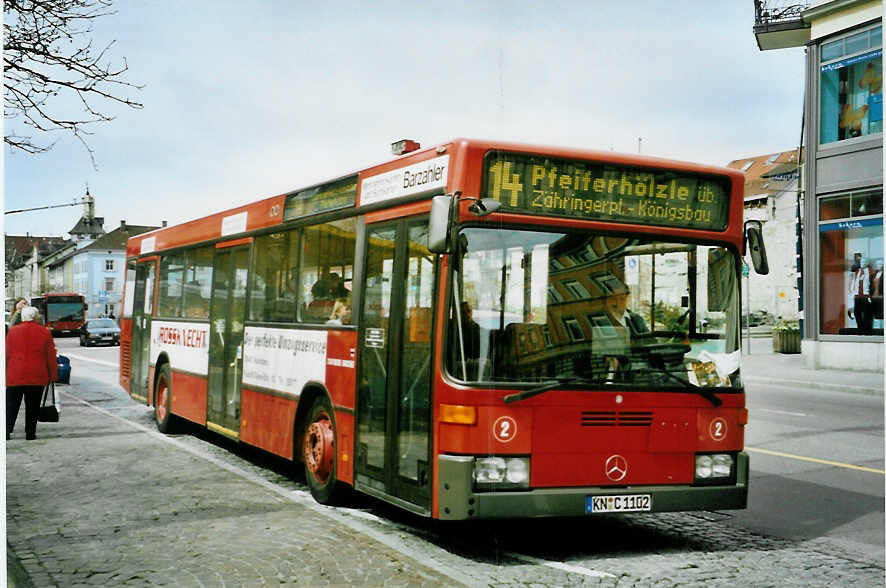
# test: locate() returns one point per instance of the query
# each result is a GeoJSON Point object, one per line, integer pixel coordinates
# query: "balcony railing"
{"type": "Point", "coordinates": [779, 23]}
{"type": "Point", "coordinates": [770, 12]}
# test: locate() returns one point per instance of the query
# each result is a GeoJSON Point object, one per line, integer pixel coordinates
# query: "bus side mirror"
{"type": "Point", "coordinates": [754, 243]}
{"type": "Point", "coordinates": [484, 206]}
{"type": "Point", "coordinates": [438, 231]}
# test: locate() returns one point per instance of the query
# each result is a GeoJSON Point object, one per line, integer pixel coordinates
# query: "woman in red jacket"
{"type": "Point", "coordinates": [30, 365]}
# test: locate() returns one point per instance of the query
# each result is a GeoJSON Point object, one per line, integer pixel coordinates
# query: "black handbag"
{"type": "Point", "coordinates": [48, 412]}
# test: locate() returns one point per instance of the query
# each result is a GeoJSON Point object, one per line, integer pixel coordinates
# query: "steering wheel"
{"type": "Point", "coordinates": [664, 354]}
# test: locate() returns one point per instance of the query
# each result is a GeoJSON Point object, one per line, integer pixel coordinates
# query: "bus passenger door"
{"type": "Point", "coordinates": [393, 405]}
{"type": "Point", "coordinates": [226, 316]}
{"type": "Point", "coordinates": [142, 309]}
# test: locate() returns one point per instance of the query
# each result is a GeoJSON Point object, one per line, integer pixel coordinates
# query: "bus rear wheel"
{"type": "Point", "coordinates": [318, 453]}
{"type": "Point", "coordinates": [163, 399]}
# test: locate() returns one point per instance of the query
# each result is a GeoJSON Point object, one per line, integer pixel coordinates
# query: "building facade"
{"type": "Point", "coordinates": [771, 197]}
{"type": "Point", "coordinates": [92, 263]}
{"type": "Point", "coordinates": [842, 179]}
{"type": "Point", "coordinates": [99, 270]}
{"type": "Point", "coordinates": [23, 271]}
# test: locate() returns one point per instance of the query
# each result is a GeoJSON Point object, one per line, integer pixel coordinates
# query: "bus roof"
{"type": "Point", "coordinates": [446, 167]}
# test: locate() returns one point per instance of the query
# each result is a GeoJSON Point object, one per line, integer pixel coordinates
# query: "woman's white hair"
{"type": "Point", "coordinates": [29, 313]}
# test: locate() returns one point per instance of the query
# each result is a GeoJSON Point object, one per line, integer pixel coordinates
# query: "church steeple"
{"type": "Point", "coordinates": [89, 227]}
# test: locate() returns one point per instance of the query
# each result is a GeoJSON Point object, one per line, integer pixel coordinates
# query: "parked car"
{"type": "Point", "coordinates": [98, 331]}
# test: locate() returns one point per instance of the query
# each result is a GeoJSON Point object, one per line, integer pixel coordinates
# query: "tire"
{"type": "Point", "coordinates": [319, 453]}
{"type": "Point", "coordinates": [163, 400]}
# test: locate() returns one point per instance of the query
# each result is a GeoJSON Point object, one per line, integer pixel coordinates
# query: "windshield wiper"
{"type": "Point", "coordinates": [550, 385]}
{"type": "Point", "coordinates": [703, 392]}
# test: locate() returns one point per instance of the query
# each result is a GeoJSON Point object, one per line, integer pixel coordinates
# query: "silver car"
{"type": "Point", "coordinates": [99, 331]}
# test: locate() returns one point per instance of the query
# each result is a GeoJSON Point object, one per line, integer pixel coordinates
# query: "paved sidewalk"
{"type": "Point", "coordinates": [788, 369]}
{"type": "Point", "coordinates": [95, 500]}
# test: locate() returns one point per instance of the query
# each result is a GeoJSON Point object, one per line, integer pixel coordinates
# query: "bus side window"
{"type": "Point", "coordinates": [198, 282]}
{"type": "Point", "coordinates": [327, 262]}
{"type": "Point", "coordinates": [169, 301]}
{"type": "Point", "coordinates": [272, 294]}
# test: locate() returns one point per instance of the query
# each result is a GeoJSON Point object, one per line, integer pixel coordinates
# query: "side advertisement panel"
{"type": "Point", "coordinates": [283, 359]}
{"type": "Point", "coordinates": [186, 344]}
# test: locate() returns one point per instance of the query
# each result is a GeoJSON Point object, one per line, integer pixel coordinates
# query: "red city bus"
{"type": "Point", "coordinates": [474, 330]}
{"type": "Point", "coordinates": [62, 312]}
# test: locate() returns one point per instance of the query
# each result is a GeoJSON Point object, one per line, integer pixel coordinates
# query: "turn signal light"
{"type": "Point", "coordinates": [458, 414]}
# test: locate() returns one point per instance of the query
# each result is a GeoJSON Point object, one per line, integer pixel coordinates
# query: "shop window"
{"type": "Point", "coordinates": [851, 256]}
{"type": "Point", "coordinates": [851, 86]}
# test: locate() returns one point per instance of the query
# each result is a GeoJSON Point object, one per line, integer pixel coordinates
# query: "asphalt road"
{"type": "Point", "coordinates": [817, 466]}
{"type": "Point", "coordinates": [816, 512]}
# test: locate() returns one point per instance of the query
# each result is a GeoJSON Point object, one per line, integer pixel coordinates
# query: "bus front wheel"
{"type": "Point", "coordinates": [318, 453]}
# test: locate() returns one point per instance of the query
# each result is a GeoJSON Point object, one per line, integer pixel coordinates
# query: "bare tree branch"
{"type": "Point", "coordinates": [48, 57]}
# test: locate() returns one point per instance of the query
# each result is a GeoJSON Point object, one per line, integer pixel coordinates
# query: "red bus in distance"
{"type": "Point", "coordinates": [62, 312]}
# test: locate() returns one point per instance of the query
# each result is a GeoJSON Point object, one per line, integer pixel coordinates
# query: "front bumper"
{"type": "Point", "coordinates": [109, 339]}
{"type": "Point", "coordinates": [458, 501]}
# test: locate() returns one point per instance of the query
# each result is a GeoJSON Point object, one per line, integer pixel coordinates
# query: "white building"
{"type": "Point", "coordinates": [842, 178]}
{"type": "Point", "coordinates": [770, 196]}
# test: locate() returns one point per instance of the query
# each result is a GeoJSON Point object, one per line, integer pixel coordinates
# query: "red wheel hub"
{"type": "Point", "coordinates": [162, 400]}
{"type": "Point", "coordinates": [319, 448]}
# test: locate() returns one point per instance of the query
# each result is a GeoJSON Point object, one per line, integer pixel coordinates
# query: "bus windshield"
{"type": "Point", "coordinates": [530, 307]}
{"type": "Point", "coordinates": [64, 311]}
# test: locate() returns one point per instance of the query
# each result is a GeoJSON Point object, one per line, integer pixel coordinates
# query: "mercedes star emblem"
{"type": "Point", "coordinates": [616, 468]}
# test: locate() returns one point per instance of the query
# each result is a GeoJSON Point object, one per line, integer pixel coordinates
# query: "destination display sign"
{"type": "Point", "coordinates": [331, 196]}
{"type": "Point", "coordinates": [541, 185]}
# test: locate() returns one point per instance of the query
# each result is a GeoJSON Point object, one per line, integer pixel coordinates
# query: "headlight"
{"type": "Point", "coordinates": [501, 473]}
{"type": "Point", "coordinates": [722, 465]}
{"type": "Point", "coordinates": [714, 467]}
{"type": "Point", "coordinates": [703, 466]}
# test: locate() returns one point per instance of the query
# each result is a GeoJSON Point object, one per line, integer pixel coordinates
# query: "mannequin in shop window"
{"type": "Point", "coordinates": [877, 291]}
{"type": "Point", "coordinates": [860, 290]}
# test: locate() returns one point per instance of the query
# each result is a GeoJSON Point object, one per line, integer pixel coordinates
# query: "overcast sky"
{"type": "Point", "coordinates": [244, 100]}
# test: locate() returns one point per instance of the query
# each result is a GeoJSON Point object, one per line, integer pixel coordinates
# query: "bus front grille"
{"type": "Point", "coordinates": [612, 418]}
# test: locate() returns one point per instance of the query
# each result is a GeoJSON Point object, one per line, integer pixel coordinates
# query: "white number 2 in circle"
{"type": "Point", "coordinates": [504, 429]}
{"type": "Point", "coordinates": [718, 429]}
